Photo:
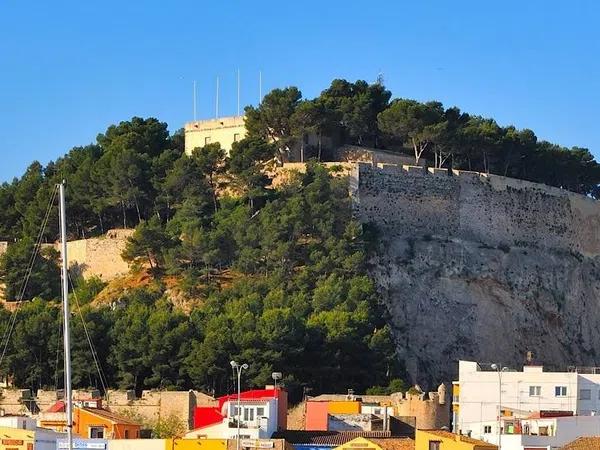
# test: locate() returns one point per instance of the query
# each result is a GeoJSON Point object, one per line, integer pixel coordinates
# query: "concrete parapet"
{"type": "Point", "coordinates": [414, 169]}
{"type": "Point", "coordinates": [465, 174]}
{"type": "Point", "coordinates": [437, 171]}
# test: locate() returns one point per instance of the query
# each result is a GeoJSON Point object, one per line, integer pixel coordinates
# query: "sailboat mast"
{"type": "Point", "coordinates": [66, 316]}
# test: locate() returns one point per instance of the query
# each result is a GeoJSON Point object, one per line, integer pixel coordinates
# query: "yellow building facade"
{"type": "Point", "coordinates": [195, 444]}
{"type": "Point", "coordinates": [444, 440]}
{"type": "Point", "coordinates": [224, 130]}
{"type": "Point", "coordinates": [20, 439]}
{"type": "Point", "coordinates": [359, 443]}
{"type": "Point", "coordinates": [343, 407]}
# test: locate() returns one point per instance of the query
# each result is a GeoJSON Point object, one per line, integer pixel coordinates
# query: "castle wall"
{"type": "Point", "coordinates": [431, 411]}
{"type": "Point", "coordinates": [99, 256]}
{"type": "Point", "coordinates": [157, 405]}
{"type": "Point", "coordinates": [494, 210]}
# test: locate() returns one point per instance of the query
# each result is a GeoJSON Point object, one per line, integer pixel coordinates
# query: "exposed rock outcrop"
{"type": "Point", "coordinates": [483, 268]}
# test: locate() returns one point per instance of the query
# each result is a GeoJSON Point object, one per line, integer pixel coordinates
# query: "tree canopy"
{"type": "Point", "coordinates": [280, 274]}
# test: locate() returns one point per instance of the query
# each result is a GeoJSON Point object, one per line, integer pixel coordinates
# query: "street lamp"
{"type": "Point", "coordinates": [499, 369]}
{"type": "Point", "coordinates": [238, 368]}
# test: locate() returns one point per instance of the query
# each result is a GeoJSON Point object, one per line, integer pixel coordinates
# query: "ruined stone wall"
{"type": "Point", "coordinates": [356, 153]}
{"type": "Point", "coordinates": [157, 405]}
{"type": "Point", "coordinates": [495, 210]}
{"type": "Point", "coordinates": [99, 256]}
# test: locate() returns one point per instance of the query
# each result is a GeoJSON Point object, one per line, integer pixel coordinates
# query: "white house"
{"type": "Point", "coordinates": [22, 422]}
{"type": "Point", "coordinates": [258, 420]}
{"type": "Point", "coordinates": [481, 392]}
{"type": "Point", "coordinates": [543, 432]}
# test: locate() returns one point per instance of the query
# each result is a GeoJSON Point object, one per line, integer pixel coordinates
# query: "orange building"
{"type": "Point", "coordinates": [103, 424]}
{"type": "Point", "coordinates": [317, 412]}
{"type": "Point", "coordinates": [90, 422]}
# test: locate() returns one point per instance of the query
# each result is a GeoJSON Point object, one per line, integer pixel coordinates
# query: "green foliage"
{"type": "Point", "coordinates": [44, 279]}
{"type": "Point", "coordinates": [168, 427]}
{"type": "Point", "coordinates": [281, 273]}
{"type": "Point", "coordinates": [395, 385]}
{"type": "Point", "coordinates": [150, 242]}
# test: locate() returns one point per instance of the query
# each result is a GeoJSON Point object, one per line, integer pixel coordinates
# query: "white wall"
{"type": "Point", "coordinates": [21, 422]}
{"type": "Point", "coordinates": [479, 394]}
{"type": "Point", "coordinates": [136, 444]}
{"type": "Point", "coordinates": [564, 430]}
{"type": "Point", "coordinates": [47, 439]}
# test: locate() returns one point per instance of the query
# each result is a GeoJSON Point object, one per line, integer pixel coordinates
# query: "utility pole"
{"type": "Point", "coordinates": [499, 369]}
{"type": "Point", "coordinates": [238, 368]}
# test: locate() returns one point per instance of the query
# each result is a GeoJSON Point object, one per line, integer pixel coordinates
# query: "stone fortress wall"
{"type": "Point", "coordinates": [152, 406]}
{"type": "Point", "coordinates": [100, 256]}
{"type": "Point", "coordinates": [498, 211]}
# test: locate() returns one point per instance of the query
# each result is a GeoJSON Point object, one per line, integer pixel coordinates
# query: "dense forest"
{"type": "Point", "coordinates": [280, 274]}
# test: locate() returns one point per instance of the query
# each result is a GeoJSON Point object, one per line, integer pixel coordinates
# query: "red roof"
{"type": "Point", "coordinates": [209, 415]}
{"type": "Point", "coordinates": [59, 406]}
{"type": "Point", "coordinates": [255, 394]}
{"type": "Point", "coordinates": [549, 414]}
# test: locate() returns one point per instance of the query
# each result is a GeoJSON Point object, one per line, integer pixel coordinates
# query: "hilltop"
{"type": "Point", "coordinates": [283, 276]}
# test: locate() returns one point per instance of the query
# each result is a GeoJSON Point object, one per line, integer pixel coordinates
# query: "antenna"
{"type": "Point", "coordinates": [194, 96]}
{"type": "Point", "coordinates": [238, 92]}
{"type": "Point", "coordinates": [217, 101]}
{"type": "Point", "coordinates": [259, 87]}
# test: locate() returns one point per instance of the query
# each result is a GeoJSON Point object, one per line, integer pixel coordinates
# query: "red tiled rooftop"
{"type": "Point", "coordinates": [583, 443]}
{"type": "Point", "coordinates": [327, 437]}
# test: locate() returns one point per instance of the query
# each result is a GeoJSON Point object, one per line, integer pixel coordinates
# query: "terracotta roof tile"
{"type": "Point", "coordinates": [583, 443]}
{"type": "Point", "coordinates": [394, 443]}
{"type": "Point", "coordinates": [110, 416]}
{"type": "Point", "coordinates": [334, 438]}
{"type": "Point", "coordinates": [462, 437]}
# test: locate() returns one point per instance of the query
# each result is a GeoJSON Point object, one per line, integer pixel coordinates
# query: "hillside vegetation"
{"type": "Point", "coordinates": [301, 300]}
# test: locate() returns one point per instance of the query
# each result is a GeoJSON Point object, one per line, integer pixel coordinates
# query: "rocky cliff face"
{"type": "Point", "coordinates": [520, 284]}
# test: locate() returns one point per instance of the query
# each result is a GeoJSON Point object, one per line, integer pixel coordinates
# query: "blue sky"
{"type": "Point", "coordinates": [70, 69]}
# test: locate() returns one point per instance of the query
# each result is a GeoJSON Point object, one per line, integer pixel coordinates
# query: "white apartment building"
{"type": "Point", "coordinates": [481, 392]}
{"type": "Point", "coordinates": [541, 433]}
{"type": "Point", "coordinates": [258, 420]}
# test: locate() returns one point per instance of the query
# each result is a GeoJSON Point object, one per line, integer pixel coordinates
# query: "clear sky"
{"type": "Point", "coordinates": [68, 69]}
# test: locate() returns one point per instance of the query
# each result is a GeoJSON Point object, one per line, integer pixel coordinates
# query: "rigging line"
{"type": "Point", "coordinates": [8, 331]}
{"type": "Point", "coordinates": [29, 271]}
{"type": "Point", "coordinates": [89, 339]}
{"type": "Point", "coordinates": [38, 243]}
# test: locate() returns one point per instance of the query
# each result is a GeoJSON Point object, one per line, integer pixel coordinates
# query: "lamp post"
{"type": "Point", "coordinates": [238, 368]}
{"type": "Point", "coordinates": [499, 369]}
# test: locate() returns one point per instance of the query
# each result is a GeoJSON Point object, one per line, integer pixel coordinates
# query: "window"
{"type": "Point", "coordinates": [434, 445]}
{"type": "Point", "coordinates": [377, 411]}
{"type": "Point", "coordinates": [487, 429]}
{"type": "Point", "coordinates": [234, 411]}
{"type": "Point", "coordinates": [260, 412]}
{"type": "Point", "coordinates": [560, 391]}
{"type": "Point", "coordinates": [248, 414]}
{"type": "Point", "coordinates": [535, 391]}
{"type": "Point", "coordinates": [585, 394]}
{"type": "Point", "coordinates": [97, 432]}
{"type": "Point", "coordinates": [236, 137]}
{"type": "Point", "coordinates": [207, 140]}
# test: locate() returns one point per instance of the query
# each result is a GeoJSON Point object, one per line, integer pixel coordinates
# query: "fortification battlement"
{"type": "Point", "coordinates": [498, 182]}
{"type": "Point", "coordinates": [493, 210]}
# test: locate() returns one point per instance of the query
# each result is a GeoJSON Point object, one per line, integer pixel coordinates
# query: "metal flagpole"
{"type": "Point", "coordinates": [66, 314]}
